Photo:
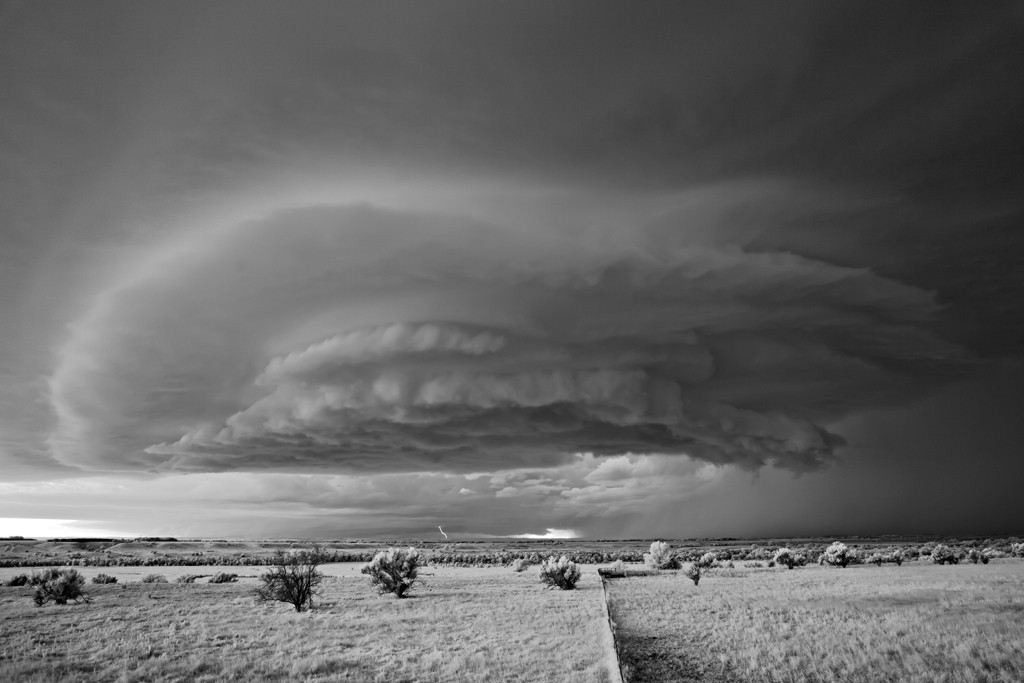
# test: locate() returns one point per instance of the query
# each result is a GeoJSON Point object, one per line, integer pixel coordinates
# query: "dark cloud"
{"type": "Point", "coordinates": [439, 240]}
{"type": "Point", "coordinates": [362, 339]}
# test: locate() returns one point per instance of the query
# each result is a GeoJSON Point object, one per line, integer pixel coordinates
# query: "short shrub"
{"type": "Point", "coordinates": [223, 577]}
{"type": "Point", "coordinates": [19, 580]}
{"type": "Point", "coordinates": [154, 578]}
{"type": "Point", "coordinates": [617, 567]}
{"type": "Point", "coordinates": [561, 573]}
{"type": "Point", "coordinates": [897, 556]}
{"type": "Point", "coordinates": [60, 586]}
{"type": "Point", "coordinates": [876, 558]}
{"type": "Point", "coordinates": [974, 555]}
{"type": "Point", "coordinates": [837, 555]}
{"type": "Point", "coordinates": [692, 572]}
{"type": "Point", "coordinates": [48, 574]}
{"type": "Point", "coordinates": [707, 561]}
{"type": "Point", "coordinates": [520, 565]}
{"type": "Point", "coordinates": [943, 554]}
{"type": "Point", "coordinates": [188, 578]}
{"type": "Point", "coordinates": [104, 578]}
{"type": "Point", "coordinates": [1017, 549]}
{"type": "Point", "coordinates": [393, 571]}
{"type": "Point", "coordinates": [753, 565]}
{"type": "Point", "coordinates": [784, 557]}
{"type": "Point", "coordinates": [660, 556]}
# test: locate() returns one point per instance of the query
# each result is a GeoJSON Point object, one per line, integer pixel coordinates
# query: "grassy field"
{"type": "Point", "coordinates": [916, 623]}
{"type": "Point", "coordinates": [461, 625]}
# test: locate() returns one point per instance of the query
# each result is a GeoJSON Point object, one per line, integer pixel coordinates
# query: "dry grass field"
{"type": "Point", "coordinates": [460, 625]}
{"type": "Point", "coordinates": [919, 623]}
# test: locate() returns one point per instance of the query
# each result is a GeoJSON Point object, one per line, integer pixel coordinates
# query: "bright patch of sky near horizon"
{"type": "Point", "coordinates": [338, 269]}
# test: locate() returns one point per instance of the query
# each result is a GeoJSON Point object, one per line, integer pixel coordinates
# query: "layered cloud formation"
{"type": "Point", "coordinates": [364, 339]}
{"type": "Point", "coordinates": [535, 264]}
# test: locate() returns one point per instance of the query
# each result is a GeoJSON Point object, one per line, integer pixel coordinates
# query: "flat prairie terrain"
{"type": "Point", "coordinates": [459, 625]}
{"type": "Point", "coordinates": [919, 623]}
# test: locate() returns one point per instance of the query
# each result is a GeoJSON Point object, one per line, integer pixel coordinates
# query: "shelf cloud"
{"type": "Point", "coordinates": [366, 339]}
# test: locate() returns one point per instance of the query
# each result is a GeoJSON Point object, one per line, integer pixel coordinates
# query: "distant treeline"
{"type": "Point", "coordinates": [93, 539]}
{"type": "Point", "coordinates": [506, 557]}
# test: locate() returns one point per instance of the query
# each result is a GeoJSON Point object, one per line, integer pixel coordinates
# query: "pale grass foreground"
{"type": "Point", "coordinates": [459, 625]}
{"type": "Point", "coordinates": [919, 623]}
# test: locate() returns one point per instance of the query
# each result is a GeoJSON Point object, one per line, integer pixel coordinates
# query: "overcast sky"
{"type": "Point", "coordinates": [360, 268]}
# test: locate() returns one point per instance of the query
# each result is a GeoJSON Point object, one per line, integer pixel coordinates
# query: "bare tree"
{"type": "Point", "coordinates": [294, 578]}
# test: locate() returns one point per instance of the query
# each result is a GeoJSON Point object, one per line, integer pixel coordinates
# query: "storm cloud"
{"type": "Point", "coordinates": [544, 265]}
{"type": "Point", "coordinates": [364, 339]}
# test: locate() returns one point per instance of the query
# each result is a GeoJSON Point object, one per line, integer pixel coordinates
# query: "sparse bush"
{"type": "Point", "coordinates": [19, 580]}
{"type": "Point", "coordinates": [154, 578]}
{"type": "Point", "coordinates": [60, 586]}
{"type": "Point", "coordinates": [520, 565]}
{"type": "Point", "coordinates": [393, 571]}
{"type": "Point", "coordinates": [104, 578]}
{"type": "Point", "coordinates": [294, 578]}
{"type": "Point", "coordinates": [561, 573]}
{"type": "Point", "coordinates": [660, 556]}
{"type": "Point", "coordinates": [48, 574]}
{"type": "Point", "coordinates": [943, 554]}
{"type": "Point", "coordinates": [707, 561]}
{"type": "Point", "coordinates": [618, 567]}
{"type": "Point", "coordinates": [223, 577]}
{"type": "Point", "coordinates": [784, 557]}
{"type": "Point", "coordinates": [188, 578]}
{"type": "Point", "coordinates": [836, 555]}
{"type": "Point", "coordinates": [692, 572]}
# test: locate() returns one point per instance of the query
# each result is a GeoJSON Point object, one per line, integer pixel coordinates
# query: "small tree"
{"type": "Point", "coordinates": [294, 578]}
{"type": "Point", "coordinates": [660, 556]}
{"type": "Point", "coordinates": [692, 572]}
{"type": "Point", "coordinates": [784, 557]}
{"type": "Point", "coordinates": [876, 558]}
{"type": "Point", "coordinates": [60, 586]}
{"type": "Point", "coordinates": [837, 555]}
{"type": "Point", "coordinates": [942, 554]}
{"type": "Point", "coordinates": [561, 573]}
{"type": "Point", "coordinates": [393, 571]}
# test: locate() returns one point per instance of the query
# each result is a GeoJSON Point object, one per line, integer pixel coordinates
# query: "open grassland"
{"type": "Point", "coordinates": [916, 623]}
{"type": "Point", "coordinates": [460, 625]}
